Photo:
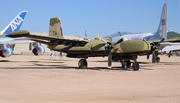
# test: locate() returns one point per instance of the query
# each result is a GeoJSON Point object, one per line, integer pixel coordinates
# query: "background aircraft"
{"type": "Point", "coordinates": [172, 47]}
{"type": "Point", "coordinates": [158, 35]}
{"type": "Point", "coordinates": [7, 44]}
{"type": "Point", "coordinates": [124, 50]}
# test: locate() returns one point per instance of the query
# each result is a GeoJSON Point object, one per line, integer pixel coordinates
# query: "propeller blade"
{"type": "Point", "coordinates": [160, 41]}
{"type": "Point", "coordinates": [154, 58]}
{"type": "Point", "coordinates": [103, 40]}
{"type": "Point", "coordinates": [153, 51]}
{"type": "Point", "coordinates": [119, 41]}
{"type": "Point", "coordinates": [109, 59]}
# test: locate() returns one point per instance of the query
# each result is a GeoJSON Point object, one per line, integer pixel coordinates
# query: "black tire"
{"type": "Point", "coordinates": [128, 63]}
{"type": "Point", "coordinates": [125, 67]}
{"type": "Point", "coordinates": [157, 59]}
{"type": "Point", "coordinates": [135, 66]}
{"type": "Point", "coordinates": [82, 64]}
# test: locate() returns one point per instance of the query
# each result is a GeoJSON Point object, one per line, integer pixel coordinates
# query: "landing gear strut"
{"type": "Point", "coordinates": [82, 64]}
{"type": "Point", "coordinates": [155, 58]}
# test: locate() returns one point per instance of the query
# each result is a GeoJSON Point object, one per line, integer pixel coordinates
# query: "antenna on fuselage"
{"type": "Point", "coordinates": [119, 33]}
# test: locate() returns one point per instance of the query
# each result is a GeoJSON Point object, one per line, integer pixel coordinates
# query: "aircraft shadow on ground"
{"type": "Point", "coordinates": [60, 65]}
{"type": "Point", "coordinates": [56, 60]}
{"type": "Point", "coordinates": [16, 61]}
{"type": "Point", "coordinates": [114, 68]}
{"type": "Point", "coordinates": [144, 63]}
{"type": "Point", "coordinates": [41, 67]}
{"type": "Point", "coordinates": [120, 62]}
{"type": "Point", "coordinates": [7, 61]}
{"type": "Point", "coordinates": [32, 61]}
{"type": "Point", "coordinates": [168, 63]}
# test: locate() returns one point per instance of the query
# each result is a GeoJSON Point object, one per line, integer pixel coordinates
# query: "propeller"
{"type": "Point", "coordinates": [108, 47]}
{"type": "Point", "coordinates": [154, 48]}
{"type": "Point", "coordinates": [154, 57]}
{"type": "Point", "coordinates": [109, 59]}
{"type": "Point", "coordinates": [158, 44]}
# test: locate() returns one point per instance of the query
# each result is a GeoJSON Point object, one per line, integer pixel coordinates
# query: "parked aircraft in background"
{"type": "Point", "coordinates": [7, 44]}
{"type": "Point", "coordinates": [172, 47]}
{"type": "Point", "coordinates": [158, 35]}
{"type": "Point", "coordinates": [124, 50]}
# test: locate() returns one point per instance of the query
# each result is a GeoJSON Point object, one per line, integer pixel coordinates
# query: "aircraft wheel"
{"type": "Point", "coordinates": [158, 59]}
{"type": "Point", "coordinates": [135, 66]}
{"type": "Point", "coordinates": [82, 63]}
{"type": "Point", "coordinates": [126, 65]}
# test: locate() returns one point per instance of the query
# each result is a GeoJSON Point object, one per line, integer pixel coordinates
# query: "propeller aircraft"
{"type": "Point", "coordinates": [125, 50]}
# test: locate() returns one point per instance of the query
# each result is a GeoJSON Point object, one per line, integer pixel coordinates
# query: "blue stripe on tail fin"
{"type": "Point", "coordinates": [15, 24]}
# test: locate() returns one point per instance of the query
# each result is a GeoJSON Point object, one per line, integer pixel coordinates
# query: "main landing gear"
{"type": "Point", "coordinates": [82, 64]}
{"type": "Point", "coordinates": [135, 65]}
{"type": "Point", "coordinates": [127, 64]}
{"type": "Point", "coordinates": [155, 58]}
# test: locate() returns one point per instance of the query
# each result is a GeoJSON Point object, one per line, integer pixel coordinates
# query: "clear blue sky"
{"type": "Point", "coordinates": [96, 16]}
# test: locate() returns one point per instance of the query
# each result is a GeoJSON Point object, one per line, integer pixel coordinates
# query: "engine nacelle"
{"type": "Point", "coordinates": [6, 52]}
{"type": "Point", "coordinates": [39, 50]}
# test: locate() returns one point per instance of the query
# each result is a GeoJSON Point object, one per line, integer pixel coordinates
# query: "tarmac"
{"type": "Point", "coordinates": [37, 79]}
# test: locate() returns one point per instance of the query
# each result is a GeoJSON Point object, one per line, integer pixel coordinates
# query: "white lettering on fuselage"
{"type": "Point", "coordinates": [16, 23]}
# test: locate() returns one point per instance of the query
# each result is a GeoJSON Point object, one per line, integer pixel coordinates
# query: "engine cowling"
{"type": "Point", "coordinates": [39, 50]}
{"type": "Point", "coordinates": [6, 52]}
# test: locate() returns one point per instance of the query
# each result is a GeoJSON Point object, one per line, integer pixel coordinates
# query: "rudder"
{"type": "Point", "coordinates": [55, 28]}
{"type": "Point", "coordinates": [162, 29]}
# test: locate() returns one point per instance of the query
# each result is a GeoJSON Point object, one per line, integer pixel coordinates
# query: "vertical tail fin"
{"type": "Point", "coordinates": [162, 30]}
{"type": "Point", "coordinates": [15, 24]}
{"type": "Point", "coordinates": [55, 28]}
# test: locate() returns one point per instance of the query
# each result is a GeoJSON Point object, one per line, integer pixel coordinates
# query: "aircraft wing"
{"type": "Point", "coordinates": [16, 41]}
{"type": "Point", "coordinates": [171, 48]}
{"type": "Point", "coordinates": [46, 39]}
{"type": "Point", "coordinates": [175, 40]}
{"type": "Point", "coordinates": [163, 43]}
